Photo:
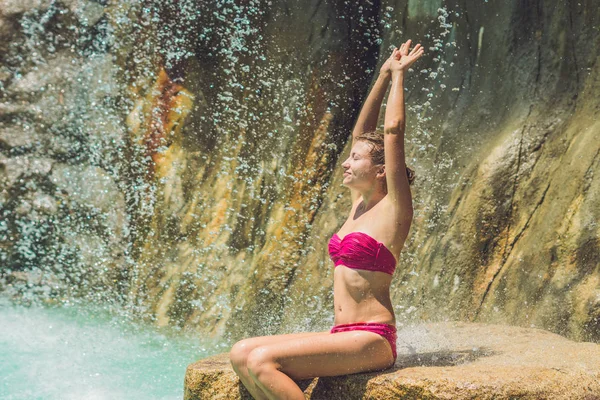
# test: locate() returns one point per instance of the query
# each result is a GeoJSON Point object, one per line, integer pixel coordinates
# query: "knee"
{"type": "Point", "coordinates": [259, 360]}
{"type": "Point", "coordinates": [238, 354]}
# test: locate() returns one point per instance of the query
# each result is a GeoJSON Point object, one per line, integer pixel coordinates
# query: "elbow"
{"type": "Point", "coordinates": [395, 128]}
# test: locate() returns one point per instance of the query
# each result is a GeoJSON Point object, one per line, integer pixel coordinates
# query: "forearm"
{"type": "Point", "coordinates": [369, 113]}
{"type": "Point", "coordinates": [394, 112]}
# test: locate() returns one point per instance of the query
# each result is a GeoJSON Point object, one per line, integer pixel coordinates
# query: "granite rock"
{"type": "Point", "coordinates": [449, 360]}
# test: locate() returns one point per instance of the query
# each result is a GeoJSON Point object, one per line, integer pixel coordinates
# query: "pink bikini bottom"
{"type": "Point", "coordinates": [386, 330]}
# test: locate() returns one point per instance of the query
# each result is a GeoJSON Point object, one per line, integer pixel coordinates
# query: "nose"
{"type": "Point", "coordinates": [345, 164]}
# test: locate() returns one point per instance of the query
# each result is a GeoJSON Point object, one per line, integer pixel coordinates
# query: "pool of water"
{"type": "Point", "coordinates": [84, 353]}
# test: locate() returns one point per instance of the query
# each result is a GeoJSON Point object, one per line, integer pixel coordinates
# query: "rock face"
{"type": "Point", "coordinates": [64, 228]}
{"type": "Point", "coordinates": [183, 157]}
{"type": "Point", "coordinates": [449, 360]}
{"type": "Point", "coordinates": [502, 133]}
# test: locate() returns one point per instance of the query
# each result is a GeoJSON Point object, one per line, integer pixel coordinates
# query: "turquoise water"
{"type": "Point", "coordinates": [81, 353]}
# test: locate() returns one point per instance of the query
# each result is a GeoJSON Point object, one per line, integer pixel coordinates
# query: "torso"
{"type": "Point", "coordinates": [361, 295]}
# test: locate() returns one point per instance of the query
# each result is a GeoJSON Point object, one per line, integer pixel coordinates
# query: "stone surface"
{"type": "Point", "coordinates": [505, 152]}
{"type": "Point", "coordinates": [64, 223]}
{"type": "Point", "coordinates": [221, 131]}
{"type": "Point", "coordinates": [450, 360]}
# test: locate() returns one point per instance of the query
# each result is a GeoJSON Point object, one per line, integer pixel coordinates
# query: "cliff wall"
{"type": "Point", "coordinates": [205, 141]}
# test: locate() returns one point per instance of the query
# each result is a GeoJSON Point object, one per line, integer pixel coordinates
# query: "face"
{"type": "Point", "coordinates": [359, 170]}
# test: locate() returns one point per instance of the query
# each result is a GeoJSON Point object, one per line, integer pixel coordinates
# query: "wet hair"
{"type": "Point", "coordinates": [375, 139]}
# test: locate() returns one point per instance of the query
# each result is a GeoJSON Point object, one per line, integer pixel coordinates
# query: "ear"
{"type": "Point", "coordinates": [381, 170]}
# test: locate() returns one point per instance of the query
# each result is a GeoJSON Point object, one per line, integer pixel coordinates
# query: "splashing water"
{"type": "Point", "coordinates": [81, 205]}
{"type": "Point", "coordinates": [77, 353]}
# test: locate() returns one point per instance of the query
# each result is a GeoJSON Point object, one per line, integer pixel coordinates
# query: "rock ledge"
{"type": "Point", "coordinates": [450, 360]}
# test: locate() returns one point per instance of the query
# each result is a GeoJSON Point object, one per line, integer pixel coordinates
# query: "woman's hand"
{"type": "Point", "coordinates": [385, 68]}
{"type": "Point", "coordinates": [406, 59]}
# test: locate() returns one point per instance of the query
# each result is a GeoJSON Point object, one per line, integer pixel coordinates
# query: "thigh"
{"type": "Point", "coordinates": [258, 341]}
{"type": "Point", "coordinates": [240, 350]}
{"type": "Point", "coordinates": [327, 354]}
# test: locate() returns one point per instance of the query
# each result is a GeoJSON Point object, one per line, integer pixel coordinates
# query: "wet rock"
{"type": "Point", "coordinates": [23, 208]}
{"type": "Point", "coordinates": [18, 138]}
{"type": "Point", "coordinates": [16, 167]}
{"type": "Point", "coordinates": [44, 203]}
{"type": "Point", "coordinates": [100, 188]}
{"type": "Point", "coordinates": [450, 360]}
{"type": "Point", "coordinates": [61, 215]}
{"type": "Point", "coordinates": [506, 201]}
{"type": "Point", "coordinates": [32, 287]}
{"type": "Point", "coordinates": [232, 231]}
{"type": "Point", "coordinates": [8, 110]}
{"type": "Point", "coordinates": [96, 189]}
{"type": "Point", "coordinates": [18, 276]}
{"type": "Point", "coordinates": [12, 7]}
{"type": "Point", "coordinates": [88, 11]}
{"type": "Point", "coordinates": [53, 76]}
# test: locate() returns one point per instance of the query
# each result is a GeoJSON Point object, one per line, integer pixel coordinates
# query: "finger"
{"type": "Point", "coordinates": [406, 47]}
{"type": "Point", "coordinates": [415, 56]}
{"type": "Point", "coordinates": [416, 48]}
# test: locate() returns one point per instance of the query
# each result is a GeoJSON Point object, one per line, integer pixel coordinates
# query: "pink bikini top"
{"type": "Point", "coordinates": [358, 250]}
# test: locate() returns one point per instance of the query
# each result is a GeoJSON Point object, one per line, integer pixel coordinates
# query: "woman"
{"type": "Point", "coordinates": [364, 252]}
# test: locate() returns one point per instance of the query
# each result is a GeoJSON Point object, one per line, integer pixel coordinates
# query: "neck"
{"type": "Point", "coordinates": [372, 197]}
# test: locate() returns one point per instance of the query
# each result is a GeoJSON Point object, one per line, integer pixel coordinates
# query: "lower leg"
{"type": "Point", "coordinates": [276, 385]}
{"type": "Point", "coordinates": [250, 384]}
{"type": "Point", "coordinates": [240, 351]}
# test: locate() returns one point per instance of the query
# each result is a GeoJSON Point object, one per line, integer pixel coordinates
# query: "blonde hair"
{"type": "Point", "coordinates": [377, 154]}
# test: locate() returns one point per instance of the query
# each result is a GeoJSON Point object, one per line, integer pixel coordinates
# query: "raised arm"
{"type": "Point", "coordinates": [394, 127]}
{"type": "Point", "coordinates": [369, 113]}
